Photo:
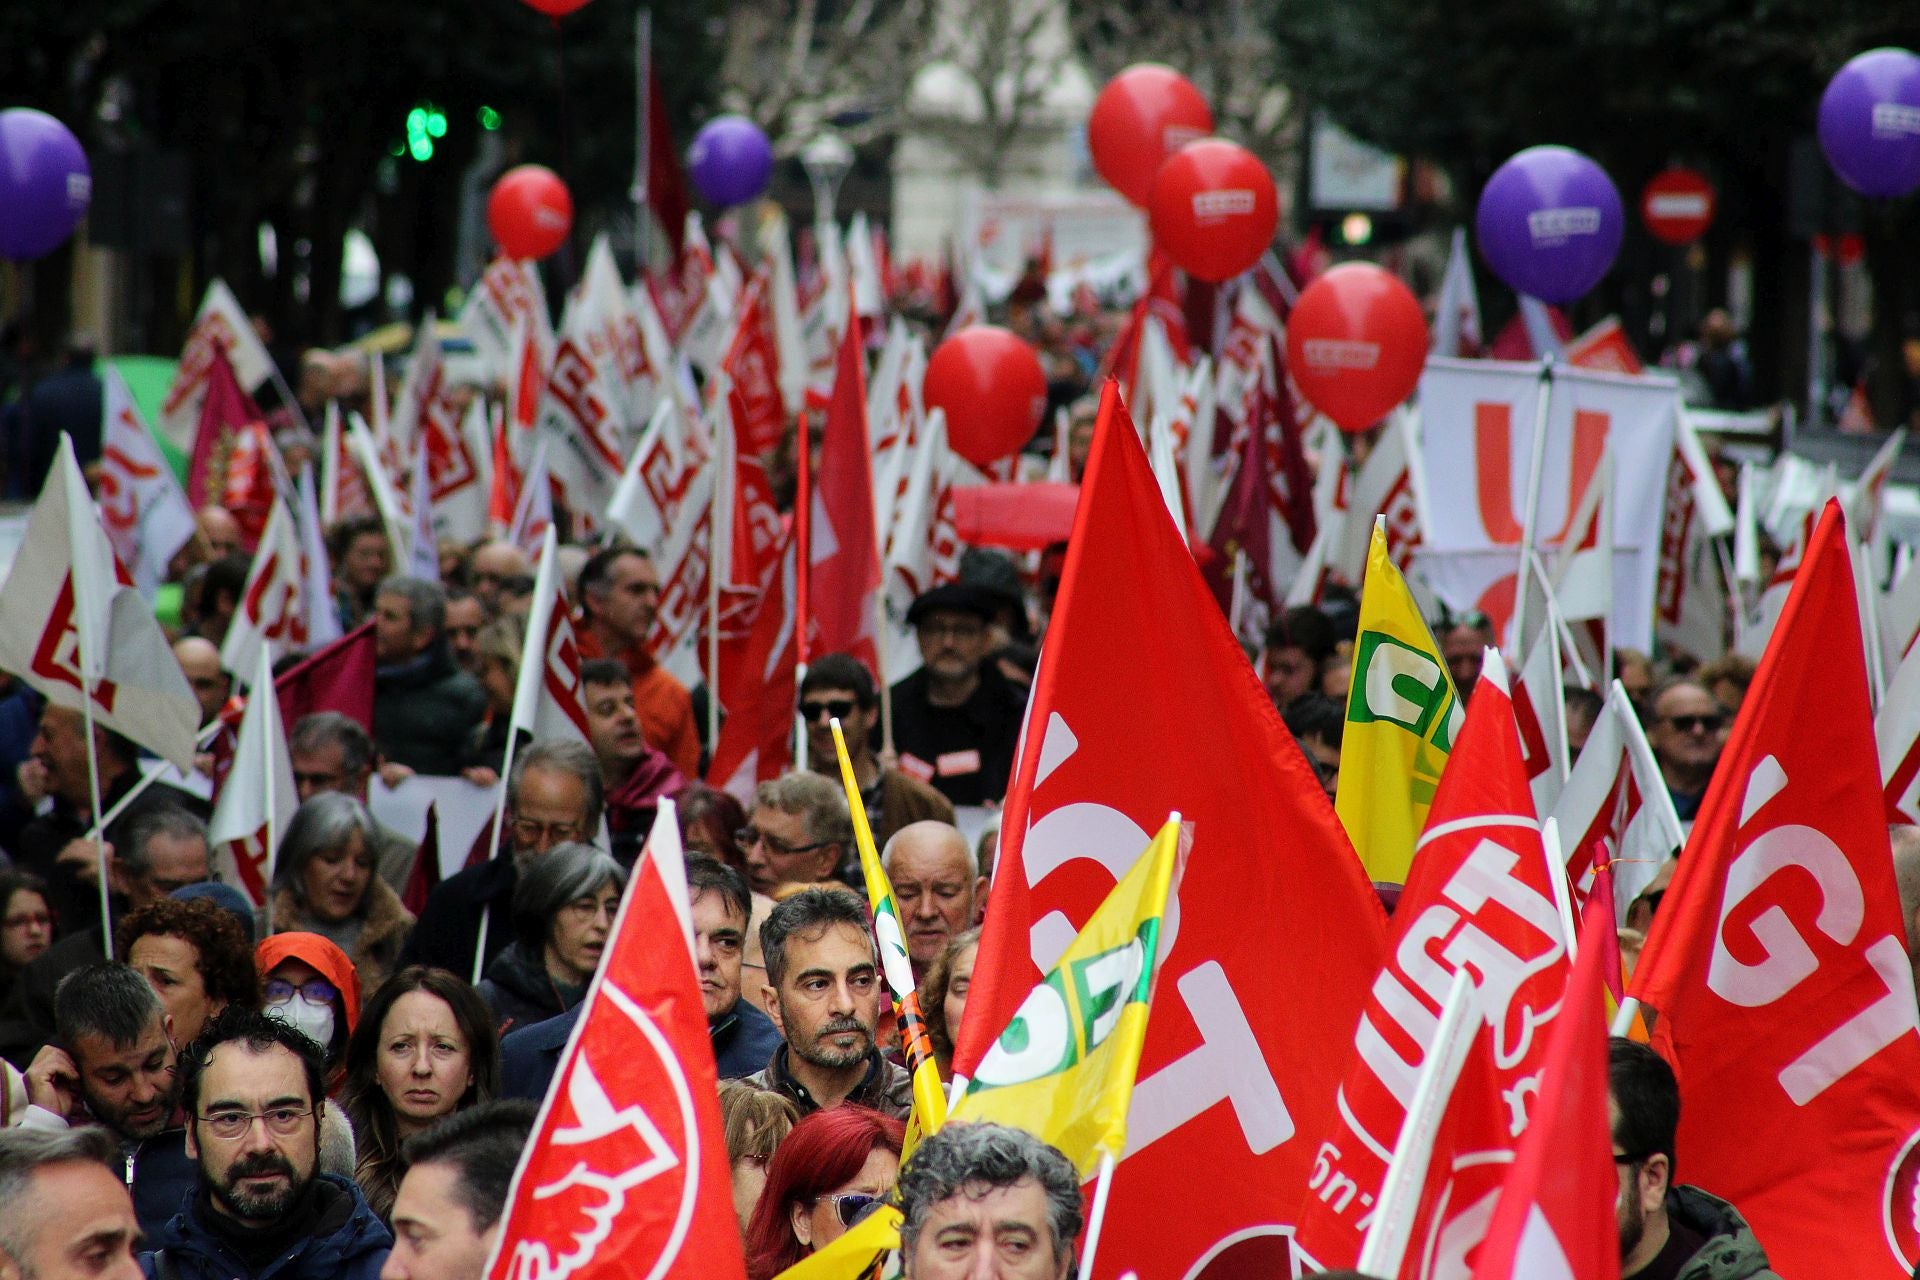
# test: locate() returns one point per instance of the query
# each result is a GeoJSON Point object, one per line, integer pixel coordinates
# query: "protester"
{"type": "Point", "coordinates": [1667, 1229]}
{"type": "Point", "coordinates": [333, 752]}
{"type": "Point", "coordinates": [799, 834]}
{"type": "Point", "coordinates": [838, 686]}
{"type": "Point", "coordinates": [943, 995]}
{"type": "Point", "coordinates": [494, 565]}
{"type": "Point", "coordinates": [1464, 640]}
{"type": "Point", "coordinates": [163, 849]}
{"type": "Point", "coordinates": [26, 925]}
{"type": "Point", "coordinates": [424, 706]}
{"type": "Point", "coordinates": [497, 654]}
{"type": "Point", "coordinates": [212, 596]}
{"type": "Point", "coordinates": [199, 661]}
{"type": "Point", "coordinates": [424, 1049]}
{"type": "Point", "coordinates": [619, 598]}
{"type": "Point", "coordinates": [197, 958]}
{"type": "Point", "coordinates": [1319, 725]}
{"type": "Point", "coordinates": [986, 1200]}
{"type": "Point", "coordinates": [635, 776]}
{"type": "Point", "coordinates": [743, 1037]}
{"type": "Point", "coordinates": [446, 1215]}
{"type": "Point", "coordinates": [936, 885]}
{"type": "Point", "coordinates": [1584, 707]}
{"type": "Point", "coordinates": [323, 882]}
{"type": "Point", "coordinates": [308, 983]}
{"type": "Point", "coordinates": [361, 561]}
{"type": "Point", "coordinates": [116, 1070]}
{"type": "Point", "coordinates": [1727, 678]}
{"type": "Point", "coordinates": [465, 616]}
{"type": "Point", "coordinates": [563, 910]}
{"type": "Point", "coordinates": [1297, 643]}
{"type": "Point", "coordinates": [824, 991]}
{"type": "Point", "coordinates": [252, 1089]}
{"type": "Point", "coordinates": [64, 1209]}
{"type": "Point", "coordinates": [831, 1167]}
{"type": "Point", "coordinates": [553, 798]}
{"type": "Point", "coordinates": [755, 1123]}
{"type": "Point", "coordinates": [1687, 733]}
{"type": "Point", "coordinates": [956, 720]}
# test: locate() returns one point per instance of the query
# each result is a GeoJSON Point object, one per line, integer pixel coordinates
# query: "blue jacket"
{"type": "Point", "coordinates": [161, 1176]}
{"type": "Point", "coordinates": [743, 1043]}
{"type": "Point", "coordinates": [351, 1244]}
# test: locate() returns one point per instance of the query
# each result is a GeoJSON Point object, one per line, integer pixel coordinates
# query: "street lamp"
{"type": "Point", "coordinates": [827, 160]}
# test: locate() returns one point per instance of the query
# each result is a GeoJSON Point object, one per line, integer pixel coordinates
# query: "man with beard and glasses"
{"type": "Point", "coordinates": [116, 1070]}
{"type": "Point", "coordinates": [1666, 1230]}
{"type": "Point", "coordinates": [823, 992]}
{"type": "Point", "coordinates": [251, 1086]}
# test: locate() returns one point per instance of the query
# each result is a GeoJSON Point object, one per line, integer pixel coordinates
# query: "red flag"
{"type": "Point", "coordinates": [424, 878]}
{"type": "Point", "coordinates": [666, 185]}
{"type": "Point", "coordinates": [1291, 475]}
{"type": "Point", "coordinates": [1245, 525]}
{"type": "Point", "coordinates": [626, 1173]}
{"type": "Point", "coordinates": [336, 678]}
{"type": "Point", "coordinates": [225, 414]}
{"type": "Point", "coordinates": [1555, 1219]}
{"type": "Point", "coordinates": [843, 555]}
{"type": "Point", "coordinates": [1252, 1020]}
{"type": "Point", "coordinates": [1479, 897]}
{"type": "Point", "coordinates": [1778, 959]}
{"type": "Point", "coordinates": [752, 368]}
{"type": "Point", "coordinates": [757, 687]}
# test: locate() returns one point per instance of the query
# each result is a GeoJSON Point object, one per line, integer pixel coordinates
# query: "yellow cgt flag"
{"type": "Point", "coordinates": [1402, 716]}
{"type": "Point", "coordinates": [1064, 1067]}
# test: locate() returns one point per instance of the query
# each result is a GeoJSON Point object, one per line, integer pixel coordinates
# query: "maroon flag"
{"type": "Point", "coordinates": [225, 414]}
{"type": "Point", "coordinates": [336, 678]}
{"type": "Point", "coordinates": [666, 185]}
{"type": "Point", "coordinates": [425, 876]}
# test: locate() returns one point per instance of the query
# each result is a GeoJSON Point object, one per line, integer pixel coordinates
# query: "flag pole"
{"type": "Point", "coordinates": [263, 687]}
{"type": "Point", "coordinates": [802, 578]}
{"type": "Point", "coordinates": [93, 784]}
{"type": "Point", "coordinates": [642, 131]}
{"type": "Point", "coordinates": [1624, 1016]}
{"type": "Point", "coordinates": [713, 592]}
{"type": "Point", "coordinates": [138, 789]}
{"type": "Point", "coordinates": [1536, 464]}
{"type": "Point", "coordinates": [1098, 1217]}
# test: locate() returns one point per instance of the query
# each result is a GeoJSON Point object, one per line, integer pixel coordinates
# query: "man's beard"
{"type": "Point", "coordinates": [821, 1054]}
{"type": "Point", "coordinates": [115, 1118]}
{"type": "Point", "coordinates": [266, 1205]}
{"type": "Point", "coordinates": [1633, 1225]}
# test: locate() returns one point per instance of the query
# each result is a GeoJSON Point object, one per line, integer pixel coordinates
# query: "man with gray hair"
{"type": "Point", "coordinates": [554, 797]}
{"type": "Point", "coordinates": [823, 992]}
{"type": "Point", "coordinates": [424, 705]}
{"type": "Point", "coordinates": [332, 752]}
{"type": "Point", "coordinates": [987, 1202]}
{"type": "Point", "coordinates": [64, 1211]}
{"type": "Point", "coordinates": [113, 1066]}
{"type": "Point", "coordinates": [799, 831]}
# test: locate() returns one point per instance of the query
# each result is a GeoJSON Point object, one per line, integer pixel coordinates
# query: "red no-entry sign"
{"type": "Point", "coordinates": [1678, 206]}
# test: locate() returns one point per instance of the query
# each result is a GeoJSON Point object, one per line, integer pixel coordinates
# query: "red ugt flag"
{"type": "Point", "coordinates": [1144, 703]}
{"type": "Point", "coordinates": [1778, 961]}
{"type": "Point", "coordinates": [626, 1174]}
{"type": "Point", "coordinates": [845, 561]}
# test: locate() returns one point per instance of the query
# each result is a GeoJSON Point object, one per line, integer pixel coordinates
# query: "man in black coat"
{"type": "Point", "coordinates": [424, 706]}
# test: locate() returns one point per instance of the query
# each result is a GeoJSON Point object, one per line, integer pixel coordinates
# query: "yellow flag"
{"type": "Point", "coordinates": [1063, 1069]}
{"type": "Point", "coordinates": [854, 1254]}
{"type": "Point", "coordinates": [929, 1101]}
{"type": "Point", "coordinates": [1402, 716]}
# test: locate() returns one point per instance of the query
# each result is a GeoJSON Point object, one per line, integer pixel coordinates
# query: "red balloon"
{"type": "Point", "coordinates": [1142, 116]}
{"type": "Point", "coordinates": [530, 211]}
{"type": "Point", "coordinates": [556, 8]}
{"type": "Point", "coordinates": [1214, 209]}
{"type": "Point", "coordinates": [1356, 343]}
{"type": "Point", "coordinates": [992, 389]}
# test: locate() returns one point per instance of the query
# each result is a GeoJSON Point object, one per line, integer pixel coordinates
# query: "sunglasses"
{"type": "Point", "coordinates": [853, 1206]}
{"type": "Point", "coordinates": [1709, 723]}
{"type": "Point", "coordinates": [747, 837]}
{"type": "Point", "coordinates": [838, 708]}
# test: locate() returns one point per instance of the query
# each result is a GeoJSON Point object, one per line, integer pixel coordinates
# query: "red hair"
{"type": "Point", "coordinates": [823, 1151]}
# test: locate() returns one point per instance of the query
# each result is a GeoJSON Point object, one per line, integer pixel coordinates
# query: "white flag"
{"type": "Point", "coordinates": [323, 623]}
{"type": "Point", "coordinates": [272, 613]}
{"type": "Point", "coordinates": [1456, 314]}
{"type": "Point", "coordinates": [547, 700]}
{"type": "Point", "coordinates": [258, 797]}
{"type": "Point", "coordinates": [423, 549]}
{"type": "Point", "coordinates": [1615, 794]}
{"type": "Point", "coordinates": [142, 506]}
{"type": "Point", "coordinates": [221, 323]}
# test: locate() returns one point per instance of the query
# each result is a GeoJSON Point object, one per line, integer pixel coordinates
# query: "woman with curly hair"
{"type": "Point", "coordinates": [195, 955]}
{"type": "Point", "coordinates": [943, 995]}
{"type": "Point", "coordinates": [425, 1048]}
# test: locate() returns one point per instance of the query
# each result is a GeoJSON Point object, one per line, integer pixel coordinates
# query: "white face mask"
{"type": "Point", "coordinates": [314, 1020]}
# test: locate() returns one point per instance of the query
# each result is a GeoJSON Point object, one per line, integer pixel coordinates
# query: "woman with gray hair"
{"type": "Point", "coordinates": [563, 910]}
{"type": "Point", "coordinates": [324, 883]}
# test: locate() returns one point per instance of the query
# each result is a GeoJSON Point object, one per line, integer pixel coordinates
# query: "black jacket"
{"type": "Point", "coordinates": [162, 1176]}
{"type": "Point", "coordinates": [448, 929]}
{"type": "Point", "coordinates": [349, 1243]}
{"type": "Point", "coordinates": [965, 752]}
{"type": "Point", "coordinates": [425, 710]}
{"type": "Point", "coordinates": [743, 1042]}
{"type": "Point", "coordinates": [521, 992]}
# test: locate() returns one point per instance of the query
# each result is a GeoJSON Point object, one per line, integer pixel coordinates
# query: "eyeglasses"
{"type": "Point", "coordinates": [590, 908]}
{"type": "Point", "coordinates": [526, 831]}
{"type": "Point", "coordinates": [282, 1122]}
{"type": "Point", "coordinates": [747, 837]}
{"type": "Point", "coordinates": [1633, 1157]}
{"type": "Point", "coordinates": [838, 708]}
{"type": "Point", "coordinates": [1709, 723]}
{"type": "Point", "coordinates": [850, 1207]}
{"type": "Point", "coordinates": [319, 991]}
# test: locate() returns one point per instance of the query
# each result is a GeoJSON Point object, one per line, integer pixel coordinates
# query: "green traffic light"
{"type": "Point", "coordinates": [422, 149]}
{"type": "Point", "coordinates": [416, 122]}
{"type": "Point", "coordinates": [489, 119]}
{"type": "Point", "coordinates": [436, 123]}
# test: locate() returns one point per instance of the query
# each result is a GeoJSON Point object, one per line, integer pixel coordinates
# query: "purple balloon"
{"type": "Point", "coordinates": [731, 160]}
{"type": "Point", "coordinates": [45, 184]}
{"type": "Point", "coordinates": [1870, 123]}
{"type": "Point", "coordinates": [1549, 223]}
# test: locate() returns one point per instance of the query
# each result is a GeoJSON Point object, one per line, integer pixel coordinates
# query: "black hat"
{"type": "Point", "coordinates": [961, 597]}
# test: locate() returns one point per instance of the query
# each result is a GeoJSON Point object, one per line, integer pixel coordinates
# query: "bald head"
{"type": "Point", "coordinates": [494, 563]}
{"type": "Point", "coordinates": [200, 662]}
{"type": "Point", "coordinates": [218, 529]}
{"type": "Point", "coordinates": [937, 885]}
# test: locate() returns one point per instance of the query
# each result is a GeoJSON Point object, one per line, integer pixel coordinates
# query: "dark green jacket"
{"type": "Point", "coordinates": [1731, 1252]}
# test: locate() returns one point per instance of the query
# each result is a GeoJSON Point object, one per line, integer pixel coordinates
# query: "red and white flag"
{"type": "Point", "coordinates": [423, 549]}
{"type": "Point", "coordinates": [581, 417]}
{"type": "Point", "coordinates": [1251, 1022]}
{"type": "Point", "coordinates": [1690, 602]}
{"type": "Point", "coordinates": [756, 684]}
{"type": "Point", "coordinates": [626, 1173]}
{"type": "Point", "coordinates": [272, 614]}
{"type": "Point", "coordinates": [258, 796]}
{"type": "Point", "coordinates": [507, 297]}
{"type": "Point", "coordinates": [1384, 486]}
{"type": "Point", "coordinates": [228, 466]}
{"type": "Point", "coordinates": [70, 619]}
{"type": "Point", "coordinates": [548, 701]}
{"type": "Point", "coordinates": [1615, 802]}
{"type": "Point", "coordinates": [533, 514]}
{"type": "Point", "coordinates": [1555, 1217]}
{"type": "Point", "coordinates": [221, 325]}
{"type": "Point", "coordinates": [431, 423]}
{"type": "Point", "coordinates": [343, 489]}
{"type": "Point", "coordinates": [323, 622]}
{"type": "Point", "coordinates": [142, 506]}
{"type": "Point", "coordinates": [1896, 732]}
{"type": "Point", "coordinates": [1480, 897]}
{"type": "Point", "coordinates": [843, 556]}
{"type": "Point", "coordinates": [1778, 959]}
{"type": "Point", "coordinates": [923, 541]}
{"type": "Point", "coordinates": [752, 372]}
